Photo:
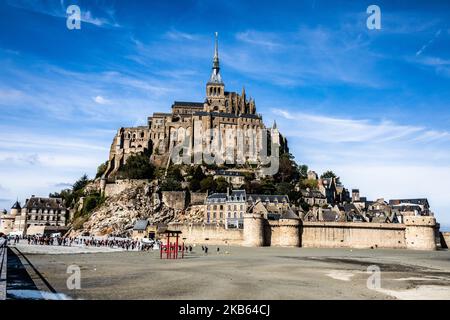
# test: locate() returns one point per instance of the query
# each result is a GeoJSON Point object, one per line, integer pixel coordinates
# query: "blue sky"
{"type": "Point", "coordinates": [372, 105]}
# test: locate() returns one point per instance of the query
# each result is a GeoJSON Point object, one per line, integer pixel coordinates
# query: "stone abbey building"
{"type": "Point", "coordinates": [233, 116]}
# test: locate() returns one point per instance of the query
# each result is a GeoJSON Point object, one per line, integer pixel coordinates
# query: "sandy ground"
{"type": "Point", "coordinates": [252, 273]}
{"type": "Point", "coordinates": [75, 249]}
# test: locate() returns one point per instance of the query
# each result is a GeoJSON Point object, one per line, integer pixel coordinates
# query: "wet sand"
{"type": "Point", "coordinates": [251, 273]}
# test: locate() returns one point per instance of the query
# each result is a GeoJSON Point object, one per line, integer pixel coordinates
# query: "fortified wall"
{"type": "Point", "coordinates": [416, 233]}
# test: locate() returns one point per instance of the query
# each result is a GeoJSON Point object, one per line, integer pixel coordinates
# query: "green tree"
{"type": "Point", "coordinates": [208, 184]}
{"type": "Point", "coordinates": [309, 183]}
{"type": "Point", "coordinates": [101, 169]}
{"type": "Point", "coordinates": [288, 170]}
{"type": "Point", "coordinates": [222, 185]}
{"type": "Point", "coordinates": [91, 202]}
{"type": "Point", "coordinates": [80, 183]}
{"type": "Point", "coordinates": [137, 166]}
{"type": "Point", "coordinates": [174, 172]}
{"type": "Point", "coordinates": [283, 188]}
{"type": "Point", "coordinates": [171, 184]}
{"type": "Point", "coordinates": [198, 173]}
{"type": "Point", "coordinates": [267, 187]}
{"type": "Point", "coordinates": [302, 171]}
{"type": "Point", "coordinates": [194, 185]}
{"type": "Point", "coordinates": [329, 174]}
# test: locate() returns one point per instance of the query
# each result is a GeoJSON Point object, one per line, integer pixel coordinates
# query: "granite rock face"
{"type": "Point", "coordinates": [119, 212]}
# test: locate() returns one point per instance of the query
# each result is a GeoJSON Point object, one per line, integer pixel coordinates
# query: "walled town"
{"type": "Point", "coordinates": [145, 189]}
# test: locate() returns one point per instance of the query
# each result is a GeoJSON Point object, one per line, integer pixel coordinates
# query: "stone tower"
{"type": "Point", "coordinates": [15, 209]}
{"type": "Point", "coordinates": [289, 225]}
{"type": "Point", "coordinates": [215, 88]}
{"type": "Point", "coordinates": [254, 226]}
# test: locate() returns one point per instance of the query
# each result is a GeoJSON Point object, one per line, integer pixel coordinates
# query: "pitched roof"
{"type": "Point", "coordinates": [188, 104]}
{"type": "Point", "coordinates": [45, 203]}
{"type": "Point", "coordinates": [289, 214]}
{"type": "Point", "coordinates": [229, 173]}
{"type": "Point", "coordinates": [234, 195]}
{"type": "Point", "coordinates": [420, 201]}
{"type": "Point", "coordinates": [313, 194]}
{"type": "Point", "coordinates": [267, 197]}
{"type": "Point", "coordinates": [16, 206]}
{"type": "Point", "coordinates": [140, 225]}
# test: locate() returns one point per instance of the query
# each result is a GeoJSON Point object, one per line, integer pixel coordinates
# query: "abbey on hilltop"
{"type": "Point", "coordinates": [221, 110]}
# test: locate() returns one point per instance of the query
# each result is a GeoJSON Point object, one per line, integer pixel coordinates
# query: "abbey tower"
{"type": "Point", "coordinates": [229, 114]}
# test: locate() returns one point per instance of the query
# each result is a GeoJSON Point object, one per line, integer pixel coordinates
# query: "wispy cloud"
{"type": "Point", "coordinates": [382, 158]}
{"type": "Point", "coordinates": [58, 10]}
{"type": "Point", "coordinates": [439, 65]}
{"type": "Point", "coordinates": [263, 39]}
{"type": "Point", "coordinates": [63, 185]}
{"type": "Point", "coordinates": [311, 55]}
{"type": "Point", "coordinates": [174, 34]}
{"type": "Point", "coordinates": [429, 43]}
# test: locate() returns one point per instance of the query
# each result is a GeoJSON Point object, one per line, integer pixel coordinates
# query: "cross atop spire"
{"type": "Point", "coordinates": [215, 75]}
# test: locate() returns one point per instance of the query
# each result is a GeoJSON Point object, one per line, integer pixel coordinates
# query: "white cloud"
{"type": "Point", "coordinates": [52, 8]}
{"type": "Point", "coordinates": [382, 159]}
{"type": "Point", "coordinates": [178, 35]}
{"type": "Point", "coordinates": [101, 100]}
{"type": "Point", "coordinates": [265, 40]}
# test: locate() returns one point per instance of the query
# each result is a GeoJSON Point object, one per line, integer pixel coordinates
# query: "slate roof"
{"type": "Point", "coordinates": [234, 194]}
{"type": "Point", "coordinates": [45, 203]}
{"type": "Point", "coordinates": [265, 197]}
{"type": "Point", "coordinates": [313, 194]}
{"type": "Point", "coordinates": [188, 104]}
{"type": "Point", "coordinates": [419, 201]}
{"type": "Point", "coordinates": [16, 206]}
{"type": "Point", "coordinates": [329, 215]}
{"type": "Point", "coordinates": [289, 214]}
{"type": "Point", "coordinates": [140, 225]}
{"type": "Point", "coordinates": [349, 207]}
{"type": "Point", "coordinates": [229, 173]}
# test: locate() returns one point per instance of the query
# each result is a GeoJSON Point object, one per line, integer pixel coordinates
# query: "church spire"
{"type": "Point", "coordinates": [215, 75]}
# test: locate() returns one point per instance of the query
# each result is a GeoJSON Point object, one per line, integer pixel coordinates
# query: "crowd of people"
{"type": "Point", "coordinates": [113, 242]}
{"type": "Point", "coordinates": [110, 242]}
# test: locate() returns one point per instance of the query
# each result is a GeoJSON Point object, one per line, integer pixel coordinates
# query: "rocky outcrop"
{"type": "Point", "coordinates": [136, 200]}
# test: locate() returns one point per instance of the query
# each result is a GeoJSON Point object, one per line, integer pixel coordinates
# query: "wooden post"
{"type": "Point", "coordinates": [176, 247]}
{"type": "Point", "coordinates": [168, 245]}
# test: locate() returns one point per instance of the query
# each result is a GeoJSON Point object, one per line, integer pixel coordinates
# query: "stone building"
{"type": "Point", "coordinates": [231, 117]}
{"type": "Point", "coordinates": [419, 205]}
{"type": "Point", "coordinates": [45, 211]}
{"type": "Point", "coordinates": [7, 222]}
{"type": "Point", "coordinates": [314, 197]}
{"type": "Point", "coordinates": [235, 178]}
{"type": "Point", "coordinates": [36, 212]}
{"type": "Point", "coordinates": [276, 205]}
{"type": "Point", "coordinates": [226, 208]}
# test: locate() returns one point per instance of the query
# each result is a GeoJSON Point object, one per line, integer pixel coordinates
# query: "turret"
{"type": "Point", "coordinates": [215, 88]}
{"type": "Point", "coordinates": [419, 233]}
{"type": "Point", "coordinates": [15, 209]}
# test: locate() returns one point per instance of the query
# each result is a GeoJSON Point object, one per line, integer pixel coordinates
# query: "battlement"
{"type": "Point", "coordinates": [425, 221]}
